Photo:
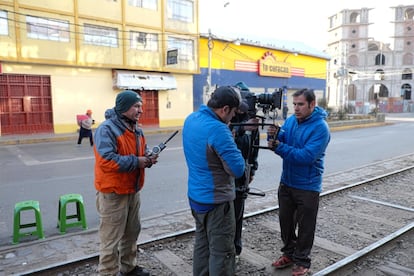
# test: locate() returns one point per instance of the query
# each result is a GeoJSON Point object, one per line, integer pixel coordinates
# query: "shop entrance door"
{"type": "Point", "coordinates": [150, 117]}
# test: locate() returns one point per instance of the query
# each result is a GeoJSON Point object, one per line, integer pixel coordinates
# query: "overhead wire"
{"type": "Point", "coordinates": [70, 31]}
{"type": "Point", "coordinates": [121, 40]}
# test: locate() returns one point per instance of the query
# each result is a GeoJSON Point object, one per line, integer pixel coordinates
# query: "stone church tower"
{"type": "Point", "coordinates": [366, 75]}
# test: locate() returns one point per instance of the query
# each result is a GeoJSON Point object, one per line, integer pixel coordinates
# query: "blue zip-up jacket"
{"type": "Point", "coordinates": [212, 157]}
{"type": "Point", "coordinates": [302, 147]}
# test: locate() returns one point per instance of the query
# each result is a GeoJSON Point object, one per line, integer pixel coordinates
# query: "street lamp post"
{"type": "Point", "coordinates": [285, 89]}
{"type": "Point", "coordinates": [285, 59]}
{"type": "Point", "coordinates": [210, 48]}
{"type": "Point", "coordinates": [288, 55]}
{"type": "Point", "coordinates": [210, 45]}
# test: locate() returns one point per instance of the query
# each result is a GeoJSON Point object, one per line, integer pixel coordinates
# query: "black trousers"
{"type": "Point", "coordinates": [85, 133]}
{"type": "Point", "coordinates": [239, 212]}
{"type": "Point", "coordinates": [297, 208]}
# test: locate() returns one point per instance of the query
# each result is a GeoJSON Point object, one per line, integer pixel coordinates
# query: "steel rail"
{"type": "Point", "coordinates": [345, 262]}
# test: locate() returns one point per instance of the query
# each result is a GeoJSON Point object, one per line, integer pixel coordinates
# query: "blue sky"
{"type": "Point", "coordinates": [292, 20]}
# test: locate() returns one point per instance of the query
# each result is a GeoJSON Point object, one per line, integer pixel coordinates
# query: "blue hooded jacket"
{"type": "Point", "coordinates": [212, 157]}
{"type": "Point", "coordinates": [302, 147]}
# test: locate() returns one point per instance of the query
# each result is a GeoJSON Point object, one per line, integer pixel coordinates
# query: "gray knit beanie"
{"type": "Point", "coordinates": [126, 99]}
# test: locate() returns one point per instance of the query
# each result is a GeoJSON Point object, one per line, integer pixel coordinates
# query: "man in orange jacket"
{"type": "Point", "coordinates": [121, 158]}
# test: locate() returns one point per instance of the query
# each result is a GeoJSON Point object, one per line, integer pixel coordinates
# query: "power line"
{"type": "Point", "coordinates": [69, 31]}
{"type": "Point", "coordinates": [122, 41]}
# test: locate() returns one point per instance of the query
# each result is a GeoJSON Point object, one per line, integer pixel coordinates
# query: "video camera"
{"type": "Point", "coordinates": [266, 101]}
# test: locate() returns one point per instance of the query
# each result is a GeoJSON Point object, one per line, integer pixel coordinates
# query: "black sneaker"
{"type": "Point", "coordinates": [137, 271]}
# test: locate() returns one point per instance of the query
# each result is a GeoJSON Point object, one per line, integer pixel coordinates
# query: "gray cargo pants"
{"type": "Point", "coordinates": [214, 252]}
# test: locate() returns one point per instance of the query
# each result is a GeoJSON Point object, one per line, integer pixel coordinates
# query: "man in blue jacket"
{"type": "Point", "coordinates": [301, 143]}
{"type": "Point", "coordinates": [213, 162]}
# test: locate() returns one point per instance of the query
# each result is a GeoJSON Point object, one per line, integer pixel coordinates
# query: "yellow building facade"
{"type": "Point", "coordinates": [263, 68]}
{"type": "Point", "coordinates": [60, 58]}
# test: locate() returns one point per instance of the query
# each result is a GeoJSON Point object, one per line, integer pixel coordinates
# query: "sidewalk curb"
{"type": "Point", "coordinates": [28, 139]}
{"type": "Point", "coordinates": [20, 140]}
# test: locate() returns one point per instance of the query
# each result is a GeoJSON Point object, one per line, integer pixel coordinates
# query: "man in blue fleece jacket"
{"type": "Point", "coordinates": [213, 162]}
{"type": "Point", "coordinates": [301, 143]}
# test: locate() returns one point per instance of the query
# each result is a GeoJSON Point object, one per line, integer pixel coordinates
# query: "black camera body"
{"type": "Point", "coordinates": [265, 101]}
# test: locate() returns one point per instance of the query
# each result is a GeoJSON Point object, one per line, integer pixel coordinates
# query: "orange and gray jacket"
{"type": "Point", "coordinates": [116, 156]}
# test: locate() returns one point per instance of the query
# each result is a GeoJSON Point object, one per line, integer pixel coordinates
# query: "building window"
{"type": "Point", "coordinates": [185, 48]}
{"type": "Point", "coordinates": [47, 29]}
{"type": "Point", "coordinates": [4, 25]}
{"type": "Point", "coordinates": [407, 75]}
{"type": "Point", "coordinates": [143, 41]}
{"type": "Point", "coordinates": [181, 10]}
{"type": "Point", "coordinates": [354, 18]}
{"type": "Point", "coordinates": [100, 35]}
{"type": "Point", "coordinates": [372, 47]}
{"type": "Point", "coordinates": [146, 4]}
{"type": "Point", "coordinates": [406, 91]}
{"type": "Point", "coordinates": [383, 91]}
{"type": "Point", "coordinates": [331, 22]}
{"type": "Point", "coordinates": [380, 59]}
{"type": "Point", "coordinates": [409, 14]}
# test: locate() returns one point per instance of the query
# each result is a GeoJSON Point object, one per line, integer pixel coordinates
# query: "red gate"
{"type": "Point", "coordinates": [25, 104]}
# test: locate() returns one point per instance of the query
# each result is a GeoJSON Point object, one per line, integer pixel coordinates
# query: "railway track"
{"type": "Point", "coordinates": [365, 213]}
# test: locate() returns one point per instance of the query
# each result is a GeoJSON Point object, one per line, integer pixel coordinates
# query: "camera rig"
{"type": "Point", "coordinates": [265, 102]}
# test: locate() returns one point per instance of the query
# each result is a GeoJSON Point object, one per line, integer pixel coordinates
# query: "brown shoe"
{"type": "Point", "coordinates": [300, 270]}
{"type": "Point", "coordinates": [282, 262]}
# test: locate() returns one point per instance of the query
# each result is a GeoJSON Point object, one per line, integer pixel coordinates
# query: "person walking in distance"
{"type": "Point", "coordinates": [121, 156]}
{"type": "Point", "coordinates": [86, 127]}
{"type": "Point", "coordinates": [213, 162]}
{"type": "Point", "coordinates": [301, 143]}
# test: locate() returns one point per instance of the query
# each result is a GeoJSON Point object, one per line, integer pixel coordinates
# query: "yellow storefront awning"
{"type": "Point", "coordinates": [140, 80]}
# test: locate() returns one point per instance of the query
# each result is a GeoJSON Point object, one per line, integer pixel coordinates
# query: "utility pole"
{"type": "Point", "coordinates": [343, 74]}
{"type": "Point", "coordinates": [210, 46]}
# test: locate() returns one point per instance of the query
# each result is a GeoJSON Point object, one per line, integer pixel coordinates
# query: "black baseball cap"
{"type": "Point", "coordinates": [225, 95]}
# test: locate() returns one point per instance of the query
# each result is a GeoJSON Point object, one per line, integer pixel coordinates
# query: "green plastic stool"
{"type": "Point", "coordinates": [63, 217]}
{"type": "Point", "coordinates": [17, 226]}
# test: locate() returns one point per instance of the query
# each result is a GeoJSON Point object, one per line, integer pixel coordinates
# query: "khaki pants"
{"type": "Point", "coordinates": [119, 228]}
